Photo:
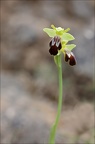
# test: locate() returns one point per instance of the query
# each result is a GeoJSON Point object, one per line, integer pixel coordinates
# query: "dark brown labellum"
{"type": "Point", "coordinates": [66, 58]}
{"type": "Point", "coordinates": [72, 60]}
{"type": "Point", "coordinates": [69, 56]}
{"type": "Point", "coordinates": [53, 51]}
{"type": "Point", "coordinates": [55, 45]}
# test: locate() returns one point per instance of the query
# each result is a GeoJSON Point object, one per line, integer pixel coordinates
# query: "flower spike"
{"type": "Point", "coordinates": [59, 43]}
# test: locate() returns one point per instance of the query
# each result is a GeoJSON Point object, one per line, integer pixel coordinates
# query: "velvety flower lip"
{"type": "Point", "coordinates": [72, 61]}
{"type": "Point", "coordinates": [69, 57]}
{"type": "Point", "coordinates": [55, 45]}
{"type": "Point", "coordinates": [66, 57]}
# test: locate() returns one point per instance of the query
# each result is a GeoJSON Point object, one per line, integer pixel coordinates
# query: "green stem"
{"type": "Point", "coordinates": [54, 127]}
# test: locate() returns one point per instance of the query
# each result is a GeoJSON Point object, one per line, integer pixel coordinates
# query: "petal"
{"type": "Point", "coordinates": [53, 51]}
{"type": "Point", "coordinates": [55, 43]}
{"type": "Point", "coordinates": [52, 26]}
{"type": "Point", "coordinates": [52, 42]}
{"type": "Point", "coordinates": [72, 61]}
{"type": "Point", "coordinates": [68, 29]}
{"type": "Point", "coordinates": [60, 46]}
{"type": "Point", "coordinates": [66, 57]}
{"type": "Point", "coordinates": [58, 42]}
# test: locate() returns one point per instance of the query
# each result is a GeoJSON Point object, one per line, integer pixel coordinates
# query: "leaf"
{"type": "Point", "coordinates": [50, 32]}
{"type": "Point", "coordinates": [56, 60]}
{"type": "Point", "coordinates": [70, 46]}
{"type": "Point", "coordinates": [67, 36]}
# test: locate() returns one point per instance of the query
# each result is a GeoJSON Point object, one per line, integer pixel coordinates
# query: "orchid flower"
{"type": "Point", "coordinates": [59, 43]}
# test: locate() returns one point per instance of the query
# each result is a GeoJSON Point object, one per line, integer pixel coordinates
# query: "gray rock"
{"type": "Point", "coordinates": [18, 125]}
{"type": "Point", "coordinates": [24, 119]}
{"type": "Point", "coordinates": [17, 34]}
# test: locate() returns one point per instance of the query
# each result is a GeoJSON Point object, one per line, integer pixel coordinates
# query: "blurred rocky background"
{"type": "Point", "coordinates": [29, 82]}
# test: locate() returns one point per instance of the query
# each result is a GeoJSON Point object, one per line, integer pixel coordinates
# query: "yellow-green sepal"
{"type": "Point", "coordinates": [50, 32]}
{"type": "Point", "coordinates": [67, 37]}
{"type": "Point", "coordinates": [70, 46]}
